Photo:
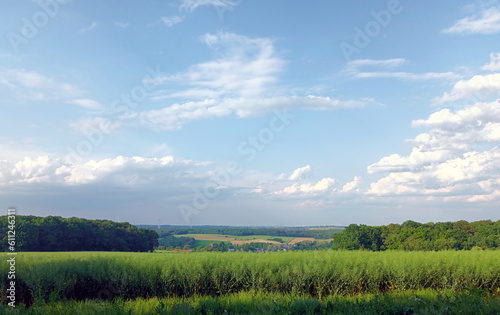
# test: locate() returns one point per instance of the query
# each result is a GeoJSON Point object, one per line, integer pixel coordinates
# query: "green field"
{"type": "Point", "coordinates": [426, 302]}
{"type": "Point", "coordinates": [219, 237]}
{"type": "Point", "coordinates": [358, 278]}
{"type": "Point", "coordinates": [204, 243]}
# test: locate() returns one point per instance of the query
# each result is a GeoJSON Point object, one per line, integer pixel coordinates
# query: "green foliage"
{"type": "Point", "coordinates": [106, 276]}
{"type": "Point", "coordinates": [172, 241]}
{"type": "Point", "coordinates": [410, 235]}
{"type": "Point", "coordinates": [410, 302]}
{"type": "Point", "coordinates": [43, 234]}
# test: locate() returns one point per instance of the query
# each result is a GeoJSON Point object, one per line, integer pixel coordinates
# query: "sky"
{"type": "Point", "coordinates": [251, 112]}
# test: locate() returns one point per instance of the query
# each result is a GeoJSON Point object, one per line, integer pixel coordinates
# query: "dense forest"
{"type": "Point", "coordinates": [44, 234]}
{"type": "Point", "coordinates": [410, 235]}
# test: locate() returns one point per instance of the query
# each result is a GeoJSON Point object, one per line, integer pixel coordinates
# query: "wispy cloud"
{"type": "Point", "coordinates": [242, 80]}
{"type": "Point", "coordinates": [353, 69]}
{"type": "Point", "coordinates": [487, 22]}
{"type": "Point", "coordinates": [193, 4]}
{"type": "Point", "coordinates": [170, 21]}
{"type": "Point", "coordinates": [31, 85]}
{"type": "Point", "coordinates": [121, 24]}
{"type": "Point", "coordinates": [89, 125]}
{"type": "Point", "coordinates": [87, 103]}
{"type": "Point", "coordinates": [89, 28]}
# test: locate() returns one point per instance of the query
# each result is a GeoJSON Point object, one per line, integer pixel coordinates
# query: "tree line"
{"type": "Point", "coordinates": [54, 233]}
{"type": "Point", "coordinates": [411, 235]}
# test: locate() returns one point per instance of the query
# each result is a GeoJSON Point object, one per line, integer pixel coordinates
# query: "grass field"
{"type": "Point", "coordinates": [54, 277]}
{"type": "Point", "coordinates": [426, 302]}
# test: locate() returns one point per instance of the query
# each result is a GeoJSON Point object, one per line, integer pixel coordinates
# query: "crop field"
{"type": "Point", "coordinates": [318, 275]}
{"type": "Point", "coordinates": [239, 240]}
{"type": "Point", "coordinates": [309, 239]}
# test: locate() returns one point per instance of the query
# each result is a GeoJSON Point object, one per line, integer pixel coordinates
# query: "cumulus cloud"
{"type": "Point", "coordinates": [444, 161]}
{"type": "Point", "coordinates": [301, 173]}
{"type": "Point", "coordinates": [494, 63]}
{"type": "Point", "coordinates": [119, 171]}
{"type": "Point", "coordinates": [472, 176]}
{"type": "Point", "coordinates": [308, 189]}
{"type": "Point", "coordinates": [487, 22]}
{"type": "Point", "coordinates": [353, 186]}
{"type": "Point", "coordinates": [479, 86]}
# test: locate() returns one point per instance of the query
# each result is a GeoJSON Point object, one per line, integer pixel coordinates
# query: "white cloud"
{"type": "Point", "coordinates": [469, 177]}
{"type": "Point", "coordinates": [87, 103]}
{"type": "Point", "coordinates": [193, 4]}
{"type": "Point", "coordinates": [416, 160]}
{"type": "Point", "coordinates": [301, 173]}
{"type": "Point", "coordinates": [121, 24]}
{"type": "Point", "coordinates": [494, 64]}
{"type": "Point", "coordinates": [323, 186]}
{"type": "Point", "coordinates": [175, 116]}
{"type": "Point", "coordinates": [241, 81]}
{"type": "Point", "coordinates": [90, 125]}
{"type": "Point", "coordinates": [444, 162]}
{"type": "Point", "coordinates": [89, 28]}
{"type": "Point", "coordinates": [170, 21]}
{"type": "Point", "coordinates": [409, 75]}
{"type": "Point", "coordinates": [479, 86]}
{"type": "Point", "coordinates": [353, 186]}
{"type": "Point", "coordinates": [488, 22]}
{"type": "Point", "coordinates": [388, 63]}
{"type": "Point", "coordinates": [247, 66]}
{"type": "Point", "coordinates": [33, 86]}
{"type": "Point", "coordinates": [119, 171]}
{"type": "Point", "coordinates": [353, 69]}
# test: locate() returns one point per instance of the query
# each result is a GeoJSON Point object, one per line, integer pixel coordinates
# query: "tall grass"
{"type": "Point", "coordinates": [104, 275]}
{"type": "Point", "coordinates": [409, 302]}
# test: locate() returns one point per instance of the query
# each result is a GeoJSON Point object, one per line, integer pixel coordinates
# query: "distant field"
{"type": "Point", "coordinates": [325, 228]}
{"type": "Point", "coordinates": [310, 239]}
{"type": "Point", "coordinates": [240, 240]}
{"type": "Point", "coordinates": [205, 243]}
{"type": "Point", "coordinates": [209, 237]}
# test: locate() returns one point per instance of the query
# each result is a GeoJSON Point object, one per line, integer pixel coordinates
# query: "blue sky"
{"type": "Point", "coordinates": [254, 112]}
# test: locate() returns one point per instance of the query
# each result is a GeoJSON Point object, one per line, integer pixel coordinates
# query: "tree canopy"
{"type": "Point", "coordinates": [74, 234]}
{"type": "Point", "coordinates": [411, 235]}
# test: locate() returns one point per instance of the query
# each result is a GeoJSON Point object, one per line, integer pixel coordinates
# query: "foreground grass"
{"type": "Point", "coordinates": [316, 274]}
{"type": "Point", "coordinates": [410, 302]}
